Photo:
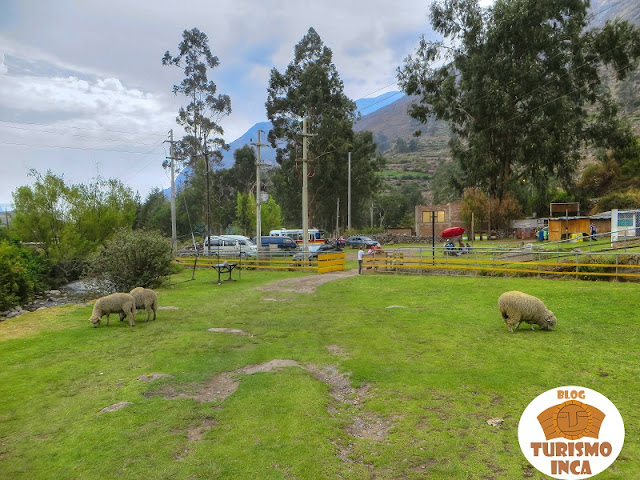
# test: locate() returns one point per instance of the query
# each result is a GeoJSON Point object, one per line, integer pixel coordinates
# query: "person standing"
{"type": "Point", "coordinates": [360, 255]}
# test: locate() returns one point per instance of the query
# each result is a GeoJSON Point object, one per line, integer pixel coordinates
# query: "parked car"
{"type": "Point", "coordinates": [230, 245]}
{"type": "Point", "coordinates": [281, 243]}
{"type": "Point", "coordinates": [356, 241]}
{"type": "Point", "coordinates": [315, 250]}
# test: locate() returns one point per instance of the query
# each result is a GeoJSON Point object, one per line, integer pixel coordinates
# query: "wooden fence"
{"type": "Point", "coordinates": [513, 263]}
{"type": "Point", "coordinates": [330, 262]}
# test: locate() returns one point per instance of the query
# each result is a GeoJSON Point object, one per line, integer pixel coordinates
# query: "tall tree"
{"type": "Point", "coordinates": [516, 82]}
{"type": "Point", "coordinates": [311, 87]}
{"type": "Point", "coordinates": [201, 117]}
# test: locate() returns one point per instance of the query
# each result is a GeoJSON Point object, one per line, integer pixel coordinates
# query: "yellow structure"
{"type": "Point", "coordinates": [565, 228]}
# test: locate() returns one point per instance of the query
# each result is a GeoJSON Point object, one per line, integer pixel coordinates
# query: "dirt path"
{"type": "Point", "coordinates": [306, 284]}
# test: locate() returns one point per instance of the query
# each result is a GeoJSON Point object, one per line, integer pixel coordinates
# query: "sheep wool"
{"type": "Point", "coordinates": [121, 303]}
{"type": "Point", "coordinates": [517, 307]}
{"type": "Point", "coordinates": [147, 299]}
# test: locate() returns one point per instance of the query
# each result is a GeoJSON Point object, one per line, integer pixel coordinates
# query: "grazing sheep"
{"type": "Point", "coordinates": [145, 298]}
{"type": "Point", "coordinates": [517, 307]}
{"type": "Point", "coordinates": [121, 303]}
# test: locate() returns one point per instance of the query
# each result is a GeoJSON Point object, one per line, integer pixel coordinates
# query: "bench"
{"type": "Point", "coordinates": [224, 268]}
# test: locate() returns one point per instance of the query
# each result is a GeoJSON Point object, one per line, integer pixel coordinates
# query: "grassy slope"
{"type": "Point", "coordinates": [437, 369]}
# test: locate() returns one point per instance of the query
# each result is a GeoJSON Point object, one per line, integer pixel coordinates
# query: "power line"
{"type": "Point", "coordinates": [73, 135]}
{"type": "Point", "coordinates": [73, 148]}
{"type": "Point", "coordinates": [382, 100]}
{"type": "Point", "coordinates": [152, 134]}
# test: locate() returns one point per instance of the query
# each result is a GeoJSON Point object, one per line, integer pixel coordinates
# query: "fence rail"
{"type": "Point", "coordinates": [325, 263]}
{"type": "Point", "coordinates": [579, 265]}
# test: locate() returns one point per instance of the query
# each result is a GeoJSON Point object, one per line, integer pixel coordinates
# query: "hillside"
{"type": "Point", "coordinates": [411, 158]}
{"type": "Point", "coordinates": [392, 122]}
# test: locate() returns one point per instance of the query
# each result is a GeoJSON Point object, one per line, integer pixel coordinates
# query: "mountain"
{"type": "Point", "coordinates": [366, 106]}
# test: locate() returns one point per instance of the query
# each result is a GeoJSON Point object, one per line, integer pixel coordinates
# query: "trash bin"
{"type": "Point", "coordinates": [541, 235]}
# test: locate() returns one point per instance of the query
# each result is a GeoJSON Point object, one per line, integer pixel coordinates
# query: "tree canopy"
{"type": "Point", "coordinates": [206, 108]}
{"type": "Point", "coordinates": [518, 83]}
{"type": "Point", "coordinates": [311, 87]}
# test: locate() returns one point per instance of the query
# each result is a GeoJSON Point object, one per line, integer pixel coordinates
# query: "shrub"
{"type": "Point", "coordinates": [131, 259]}
{"type": "Point", "coordinates": [21, 274]}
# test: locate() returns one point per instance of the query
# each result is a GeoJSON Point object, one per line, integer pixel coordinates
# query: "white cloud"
{"type": "Point", "coordinates": [104, 71]}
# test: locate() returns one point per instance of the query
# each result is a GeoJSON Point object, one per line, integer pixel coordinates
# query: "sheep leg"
{"type": "Point", "coordinates": [107, 319]}
{"type": "Point", "coordinates": [132, 316]}
{"type": "Point", "coordinates": [518, 326]}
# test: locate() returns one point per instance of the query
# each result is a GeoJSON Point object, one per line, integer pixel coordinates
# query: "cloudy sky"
{"type": "Point", "coordinates": [83, 92]}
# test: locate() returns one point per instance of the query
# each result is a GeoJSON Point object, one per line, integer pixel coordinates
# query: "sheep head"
{"type": "Point", "coordinates": [549, 321]}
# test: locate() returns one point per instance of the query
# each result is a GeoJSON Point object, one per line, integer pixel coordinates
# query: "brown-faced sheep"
{"type": "Point", "coordinates": [145, 298]}
{"type": "Point", "coordinates": [121, 303]}
{"type": "Point", "coordinates": [517, 307]}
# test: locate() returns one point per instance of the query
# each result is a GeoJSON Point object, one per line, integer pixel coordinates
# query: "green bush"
{"type": "Point", "coordinates": [21, 274]}
{"type": "Point", "coordinates": [131, 259]}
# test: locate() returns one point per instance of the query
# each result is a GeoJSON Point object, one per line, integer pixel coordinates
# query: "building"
{"type": "Point", "coordinates": [445, 216]}
{"type": "Point", "coordinates": [565, 228]}
{"type": "Point", "coordinates": [527, 227]}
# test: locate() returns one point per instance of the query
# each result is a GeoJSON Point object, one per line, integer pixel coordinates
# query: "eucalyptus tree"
{"type": "Point", "coordinates": [311, 87]}
{"type": "Point", "coordinates": [206, 108]}
{"type": "Point", "coordinates": [517, 83]}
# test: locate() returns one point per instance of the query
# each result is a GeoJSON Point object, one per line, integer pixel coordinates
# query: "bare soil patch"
{"type": "Point", "coordinates": [337, 351]}
{"type": "Point", "coordinates": [195, 434]}
{"type": "Point", "coordinates": [306, 284]}
{"type": "Point", "coordinates": [228, 330]}
{"type": "Point", "coordinates": [168, 307]}
{"type": "Point", "coordinates": [115, 406]}
{"type": "Point", "coordinates": [369, 428]}
{"type": "Point", "coordinates": [153, 376]}
{"type": "Point", "coordinates": [364, 425]}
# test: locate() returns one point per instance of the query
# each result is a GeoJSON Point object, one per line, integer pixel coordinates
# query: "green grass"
{"type": "Point", "coordinates": [435, 370]}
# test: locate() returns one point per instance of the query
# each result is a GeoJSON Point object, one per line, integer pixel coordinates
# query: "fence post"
{"type": "Point", "coordinates": [577, 268]}
{"type": "Point", "coordinates": [616, 267]}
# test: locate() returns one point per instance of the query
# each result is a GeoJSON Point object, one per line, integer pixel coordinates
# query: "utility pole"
{"type": "Point", "coordinates": [174, 237]}
{"type": "Point", "coordinates": [258, 198]}
{"type": "Point", "coordinates": [305, 193]}
{"type": "Point", "coordinates": [206, 166]}
{"type": "Point", "coordinates": [338, 218]}
{"type": "Point", "coordinates": [349, 196]}
{"type": "Point", "coordinates": [372, 214]}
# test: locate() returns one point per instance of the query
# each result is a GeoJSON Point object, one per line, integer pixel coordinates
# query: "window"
{"type": "Point", "coordinates": [438, 214]}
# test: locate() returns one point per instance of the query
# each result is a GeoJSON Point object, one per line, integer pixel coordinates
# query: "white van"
{"type": "Point", "coordinates": [230, 245]}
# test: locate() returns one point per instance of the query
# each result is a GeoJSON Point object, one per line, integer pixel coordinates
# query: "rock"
{"type": "Point", "coordinates": [41, 308]}
{"type": "Point", "coordinates": [495, 422]}
{"type": "Point", "coordinates": [54, 292]}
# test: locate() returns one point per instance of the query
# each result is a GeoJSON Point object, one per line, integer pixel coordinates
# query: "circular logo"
{"type": "Point", "coordinates": [571, 432]}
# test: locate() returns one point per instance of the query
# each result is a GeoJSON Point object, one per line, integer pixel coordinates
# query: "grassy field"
{"type": "Point", "coordinates": [370, 391]}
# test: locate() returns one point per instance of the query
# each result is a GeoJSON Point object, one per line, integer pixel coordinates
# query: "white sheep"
{"type": "Point", "coordinates": [517, 307]}
{"type": "Point", "coordinates": [145, 298]}
{"type": "Point", "coordinates": [121, 303]}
